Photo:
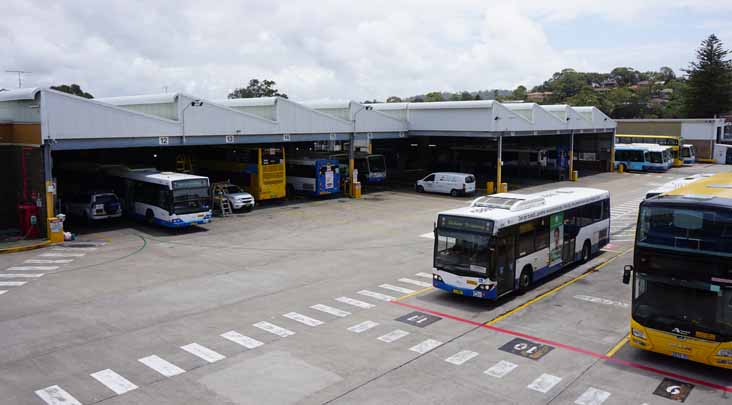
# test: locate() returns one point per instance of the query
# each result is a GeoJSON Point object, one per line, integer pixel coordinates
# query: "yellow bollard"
{"type": "Point", "coordinates": [503, 188]}
{"type": "Point", "coordinates": [489, 187]}
{"type": "Point", "coordinates": [574, 176]}
{"type": "Point", "coordinates": [356, 190]}
{"type": "Point", "coordinates": [621, 169]}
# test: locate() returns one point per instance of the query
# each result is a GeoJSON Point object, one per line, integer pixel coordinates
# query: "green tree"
{"type": "Point", "coordinates": [585, 97]}
{"type": "Point", "coordinates": [666, 74]}
{"type": "Point", "coordinates": [520, 93]}
{"type": "Point", "coordinates": [477, 97]}
{"type": "Point", "coordinates": [454, 97]}
{"type": "Point", "coordinates": [709, 91]}
{"type": "Point", "coordinates": [394, 99]}
{"type": "Point", "coordinates": [433, 96]}
{"type": "Point", "coordinates": [74, 89]}
{"type": "Point", "coordinates": [464, 96]}
{"type": "Point", "coordinates": [255, 88]}
{"type": "Point", "coordinates": [625, 76]}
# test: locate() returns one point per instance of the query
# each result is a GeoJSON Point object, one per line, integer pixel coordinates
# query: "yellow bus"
{"type": "Point", "coordinates": [672, 141]}
{"type": "Point", "coordinates": [681, 274]}
{"type": "Point", "coordinates": [259, 170]}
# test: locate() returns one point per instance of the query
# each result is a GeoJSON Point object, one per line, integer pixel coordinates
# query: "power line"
{"type": "Point", "coordinates": [20, 75]}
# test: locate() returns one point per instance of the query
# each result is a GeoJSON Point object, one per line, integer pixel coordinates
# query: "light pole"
{"type": "Point", "coordinates": [352, 149]}
{"type": "Point", "coordinates": [194, 103]}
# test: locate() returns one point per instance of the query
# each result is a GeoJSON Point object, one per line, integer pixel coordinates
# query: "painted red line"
{"type": "Point", "coordinates": [570, 348]}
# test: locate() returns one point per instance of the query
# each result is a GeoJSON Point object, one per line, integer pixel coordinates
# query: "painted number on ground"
{"type": "Point", "coordinates": [418, 319]}
{"type": "Point", "coordinates": [673, 390]}
{"type": "Point", "coordinates": [526, 348]}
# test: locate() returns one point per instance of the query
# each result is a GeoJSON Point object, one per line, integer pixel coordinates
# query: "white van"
{"type": "Point", "coordinates": [448, 183]}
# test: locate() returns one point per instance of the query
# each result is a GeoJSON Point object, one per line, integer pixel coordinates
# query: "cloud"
{"type": "Point", "coordinates": [319, 49]}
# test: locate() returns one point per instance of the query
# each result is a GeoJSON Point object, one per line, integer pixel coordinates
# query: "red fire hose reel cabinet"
{"type": "Point", "coordinates": [28, 219]}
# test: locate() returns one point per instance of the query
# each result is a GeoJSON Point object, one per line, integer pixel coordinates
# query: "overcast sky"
{"type": "Point", "coordinates": [321, 49]}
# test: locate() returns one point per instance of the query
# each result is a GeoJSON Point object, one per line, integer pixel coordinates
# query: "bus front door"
{"type": "Point", "coordinates": [505, 270]}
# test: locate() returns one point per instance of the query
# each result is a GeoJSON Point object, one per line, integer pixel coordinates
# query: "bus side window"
{"type": "Point", "coordinates": [620, 156]}
{"type": "Point", "coordinates": [526, 238]}
{"type": "Point", "coordinates": [542, 233]}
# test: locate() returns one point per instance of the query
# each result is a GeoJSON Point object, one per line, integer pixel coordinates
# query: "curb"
{"type": "Point", "coordinates": [24, 248]}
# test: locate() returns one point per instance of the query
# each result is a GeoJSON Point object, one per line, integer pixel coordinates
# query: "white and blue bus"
{"type": "Point", "coordinates": [371, 167]}
{"type": "Point", "coordinates": [174, 200]}
{"type": "Point", "coordinates": [688, 154]}
{"type": "Point", "coordinates": [505, 242]}
{"type": "Point", "coordinates": [313, 176]}
{"type": "Point", "coordinates": [643, 157]}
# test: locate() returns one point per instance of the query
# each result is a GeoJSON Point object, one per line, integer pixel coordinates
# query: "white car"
{"type": "Point", "coordinates": [94, 206]}
{"type": "Point", "coordinates": [238, 198]}
{"type": "Point", "coordinates": [447, 183]}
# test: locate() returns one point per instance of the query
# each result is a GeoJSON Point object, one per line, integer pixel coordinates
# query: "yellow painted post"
{"type": "Point", "coordinates": [489, 187]}
{"type": "Point", "coordinates": [621, 169]}
{"type": "Point", "coordinates": [49, 208]}
{"type": "Point", "coordinates": [351, 180]}
{"type": "Point", "coordinates": [504, 188]}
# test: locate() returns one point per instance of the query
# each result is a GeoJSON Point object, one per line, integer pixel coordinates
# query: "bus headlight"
{"type": "Point", "coordinates": [438, 278]}
{"type": "Point", "coordinates": [485, 287]}
{"type": "Point", "coordinates": [725, 353]}
{"type": "Point", "coordinates": [637, 333]}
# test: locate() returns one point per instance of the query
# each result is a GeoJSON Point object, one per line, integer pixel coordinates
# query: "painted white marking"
{"type": "Point", "coordinates": [19, 275]}
{"type": "Point", "coordinates": [162, 366]}
{"type": "Point", "coordinates": [363, 326]}
{"type": "Point", "coordinates": [62, 254]}
{"type": "Point", "coordinates": [32, 268]}
{"type": "Point", "coordinates": [428, 235]}
{"type": "Point", "coordinates": [303, 319]}
{"type": "Point", "coordinates": [397, 288]}
{"type": "Point", "coordinates": [355, 303]}
{"type": "Point", "coordinates": [203, 352]}
{"type": "Point", "coordinates": [500, 369]}
{"type": "Point", "coordinates": [114, 381]}
{"type": "Point", "coordinates": [544, 383]}
{"type": "Point", "coordinates": [11, 283]}
{"type": "Point", "coordinates": [592, 396]}
{"type": "Point", "coordinates": [461, 357]}
{"type": "Point", "coordinates": [376, 295]}
{"type": "Point", "coordinates": [623, 240]}
{"type": "Point", "coordinates": [274, 329]}
{"type": "Point", "coordinates": [240, 339]}
{"type": "Point", "coordinates": [330, 310]}
{"type": "Point", "coordinates": [415, 282]}
{"type": "Point", "coordinates": [48, 261]}
{"type": "Point", "coordinates": [55, 395]}
{"type": "Point", "coordinates": [393, 336]}
{"type": "Point", "coordinates": [74, 249]}
{"type": "Point", "coordinates": [425, 346]}
{"type": "Point", "coordinates": [3, 292]}
{"type": "Point", "coordinates": [425, 275]}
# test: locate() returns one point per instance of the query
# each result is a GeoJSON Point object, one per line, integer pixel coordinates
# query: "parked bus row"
{"type": "Point", "coordinates": [681, 280]}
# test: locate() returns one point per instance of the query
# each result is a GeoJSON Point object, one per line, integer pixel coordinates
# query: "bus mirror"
{"type": "Point", "coordinates": [626, 273]}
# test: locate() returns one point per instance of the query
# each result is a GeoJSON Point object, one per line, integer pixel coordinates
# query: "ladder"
{"type": "Point", "coordinates": [183, 163]}
{"type": "Point", "coordinates": [221, 204]}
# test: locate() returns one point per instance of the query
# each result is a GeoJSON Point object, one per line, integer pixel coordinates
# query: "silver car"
{"type": "Point", "coordinates": [238, 198]}
{"type": "Point", "coordinates": [94, 206]}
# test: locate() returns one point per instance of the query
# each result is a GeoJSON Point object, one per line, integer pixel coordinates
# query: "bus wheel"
{"type": "Point", "coordinates": [149, 217]}
{"type": "Point", "coordinates": [420, 189]}
{"type": "Point", "coordinates": [454, 193]}
{"type": "Point", "coordinates": [586, 252]}
{"type": "Point", "coordinates": [525, 278]}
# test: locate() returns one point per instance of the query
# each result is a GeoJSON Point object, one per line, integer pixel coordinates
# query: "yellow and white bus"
{"type": "Point", "coordinates": [259, 170]}
{"type": "Point", "coordinates": [672, 141]}
{"type": "Point", "coordinates": [681, 274]}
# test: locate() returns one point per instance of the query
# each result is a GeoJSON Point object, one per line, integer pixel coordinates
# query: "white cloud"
{"type": "Point", "coordinates": [316, 49]}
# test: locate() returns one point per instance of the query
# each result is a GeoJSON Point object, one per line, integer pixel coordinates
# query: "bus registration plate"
{"type": "Point", "coordinates": [680, 355]}
{"type": "Point", "coordinates": [456, 291]}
